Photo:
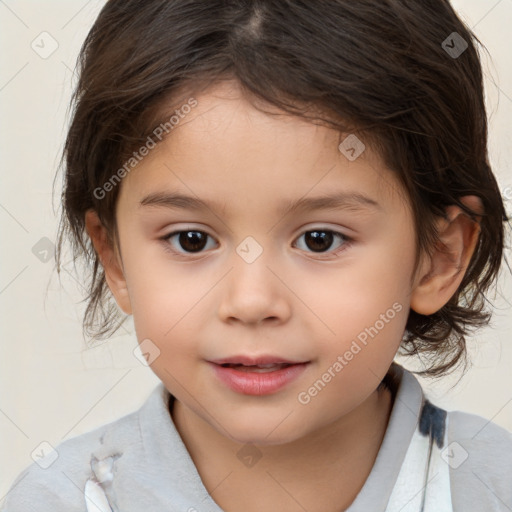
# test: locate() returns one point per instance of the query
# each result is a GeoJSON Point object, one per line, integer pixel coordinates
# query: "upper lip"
{"type": "Point", "coordinates": [255, 360]}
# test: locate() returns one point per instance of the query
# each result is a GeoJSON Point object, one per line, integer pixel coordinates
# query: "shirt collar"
{"type": "Point", "coordinates": [157, 471]}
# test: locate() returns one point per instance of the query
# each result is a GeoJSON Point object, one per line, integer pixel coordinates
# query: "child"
{"type": "Point", "coordinates": [214, 147]}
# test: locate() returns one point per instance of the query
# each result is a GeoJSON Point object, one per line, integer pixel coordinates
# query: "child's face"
{"type": "Point", "coordinates": [338, 305]}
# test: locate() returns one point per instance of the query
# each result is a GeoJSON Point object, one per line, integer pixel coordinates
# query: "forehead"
{"type": "Point", "coordinates": [225, 150]}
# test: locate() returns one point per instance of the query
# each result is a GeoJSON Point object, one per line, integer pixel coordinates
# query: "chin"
{"type": "Point", "coordinates": [265, 433]}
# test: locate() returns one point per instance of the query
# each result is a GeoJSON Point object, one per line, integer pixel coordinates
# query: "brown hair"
{"type": "Point", "coordinates": [392, 70]}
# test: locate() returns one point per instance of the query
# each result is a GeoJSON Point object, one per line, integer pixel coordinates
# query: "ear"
{"type": "Point", "coordinates": [442, 272]}
{"type": "Point", "coordinates": [110, 260]}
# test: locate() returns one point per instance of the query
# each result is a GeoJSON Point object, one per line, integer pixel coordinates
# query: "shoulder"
{"type": "Point", "coordinates": [479, 453]}
{"type": "Point", "coordinates": [481, 438]}
{"type": "Point", "coordinates": [56, 480]}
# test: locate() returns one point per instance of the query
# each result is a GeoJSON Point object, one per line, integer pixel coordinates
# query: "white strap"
{"type": "Point", "coordinates": [95, 498]}
{"type": "Point", "coordinates": [415, 489]}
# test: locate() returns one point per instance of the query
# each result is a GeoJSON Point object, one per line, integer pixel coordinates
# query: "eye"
{"type": "Point", "coordinates": [194, 241]}
{"type": "Point", "coordinates": [191, 240]}
{"type": "Point", "coordinates": [319, 240]}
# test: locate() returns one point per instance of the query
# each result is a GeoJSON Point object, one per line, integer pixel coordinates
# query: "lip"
{"type": "Point", "coordinates": [255, 383]}
{"type": "Point", "coordinates": [255, 360]}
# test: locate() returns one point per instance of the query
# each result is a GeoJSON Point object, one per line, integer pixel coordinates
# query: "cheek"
{"type": "Point", "coordinates": [353, 297]}
{"type": "Point", "coordinates": [169, 301]}
{"type": "Point", "coordinates": [368, 332]}
{"type": "Point", "coordinates": [156, 288]}
{"type": "Point", "coordinates": [363, 309]}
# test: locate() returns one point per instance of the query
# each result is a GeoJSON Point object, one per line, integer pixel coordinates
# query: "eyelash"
{"type": "Point", "coordinates": [347, 241]}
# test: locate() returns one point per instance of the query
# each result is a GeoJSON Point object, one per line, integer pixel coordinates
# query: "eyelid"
{"type": "Point", "coordinates": [303, 229]}
{"type": "Point", "coordinates": [185, 228]}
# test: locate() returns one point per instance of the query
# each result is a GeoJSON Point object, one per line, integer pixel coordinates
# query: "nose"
{"type": "Point", "coordinates": [254, 292]}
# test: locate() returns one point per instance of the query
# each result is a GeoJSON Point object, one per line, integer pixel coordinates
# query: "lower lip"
{"type": "Point", "coordinates": [254, 383]}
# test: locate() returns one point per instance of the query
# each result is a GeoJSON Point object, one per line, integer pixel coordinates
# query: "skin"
{"type": "Point", "coordinates": [290, 302]}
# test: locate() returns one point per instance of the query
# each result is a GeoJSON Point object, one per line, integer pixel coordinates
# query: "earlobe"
{"type": "Point", "coordinates": [110, 260]}
{"type": "Point", "coordinates": [442, 272]}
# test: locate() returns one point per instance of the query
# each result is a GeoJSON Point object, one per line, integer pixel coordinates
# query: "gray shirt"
{"type": "Point", "coordinates": [143, 465]}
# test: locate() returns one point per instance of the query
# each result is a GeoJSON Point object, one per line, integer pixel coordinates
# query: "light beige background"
{"type": "Point", "coordinates": [53, 389]}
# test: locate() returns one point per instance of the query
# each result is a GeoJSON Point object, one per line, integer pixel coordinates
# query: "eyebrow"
{"type": "Point", "coordinates": [332, 201]}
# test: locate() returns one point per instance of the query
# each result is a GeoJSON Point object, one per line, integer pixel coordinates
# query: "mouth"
{"type": "Point", "coordinates": [257, 376]}
{"type": "Point", "coordinates": [258, 368]}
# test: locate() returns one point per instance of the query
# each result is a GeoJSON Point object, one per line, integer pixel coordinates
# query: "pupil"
{"type": "Point", "coordinates": [191, 240]}
{"type": "Point", "coordinates": [321, 240]}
